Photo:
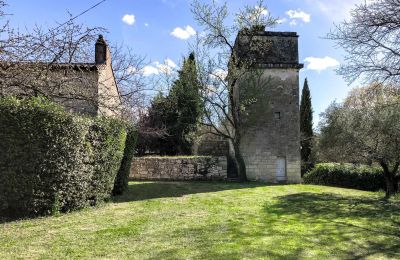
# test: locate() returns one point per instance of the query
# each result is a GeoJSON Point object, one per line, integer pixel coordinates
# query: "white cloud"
{"type": "Point", "coordinates": [128, 19]}
{"type": "Point", "coordinates": [320, 64]}
{"type": "Point", "coordinates": [149, 70]}
{"type": "Point", "coordinates": [157, 68]}
{"type": "Point", "coordinates": [298, 14]}
{"type": "Point", "coordinates": [183, 34]}
{"type": "Point", "coordinates": [219, 74]}
{"type": "Point", "coordinates": [261, 9]}
{"type": "Point", "coordinates": [146, 24]}
{"type": "Point", "coordinates": [170, 63]}
{"type": "Point", "coordinates": [293, 23]}
{"type": "Point", "coordinates": [281, 21]}
{"type": "Point", "coordinates": [335, 10]}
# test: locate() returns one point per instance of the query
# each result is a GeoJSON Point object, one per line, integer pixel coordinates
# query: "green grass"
{"type": "Point", "coordinates": [156, 220]}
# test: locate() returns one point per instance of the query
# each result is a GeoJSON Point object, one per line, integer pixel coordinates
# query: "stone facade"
{"type": "Point", "coordinates": [209, 144]}
{"type": "Point", "coordinates": [87, 88]}
{"type": "Point", "coordinates": [178, 168]}
{"type": "Point", "coordinates": [271, 130]}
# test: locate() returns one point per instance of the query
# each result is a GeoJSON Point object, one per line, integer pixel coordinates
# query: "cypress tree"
{"type": "Point", "coordinates": [186, 98]}
{"type": "Point", "coordinates": [306, 127]}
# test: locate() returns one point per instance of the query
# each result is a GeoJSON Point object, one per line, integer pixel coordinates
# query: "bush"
{"type": "Point", "coordinates": [121, 181]}
{"type": "Point", "coordinates": [107, 137]}
{"type": "Point", "coordinates": [346, 176]}
{"type": "Point", "coordinates": [54, 161]}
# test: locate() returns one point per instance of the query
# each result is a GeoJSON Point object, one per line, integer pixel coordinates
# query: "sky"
{"type": "Point", "coordinates": [161, 30]}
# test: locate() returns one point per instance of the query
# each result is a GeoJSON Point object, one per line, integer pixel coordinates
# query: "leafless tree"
{"type": "Point", "coordinates": [54, 62]}
{"type": "Point", "coordinates": [371, 39]}
{"type": "Point", "coordinates": [222, 67]}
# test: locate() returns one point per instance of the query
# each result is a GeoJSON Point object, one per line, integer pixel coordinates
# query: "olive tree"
{"type": "Point", "coordinates": [365, 128]}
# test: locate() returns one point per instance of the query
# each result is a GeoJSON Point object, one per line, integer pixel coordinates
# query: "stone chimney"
{"type": "Point", "coordinates": [101, 51]}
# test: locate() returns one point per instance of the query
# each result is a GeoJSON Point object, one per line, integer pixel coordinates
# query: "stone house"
{"type": "Point", "coordinates": [270, 141]}
{"type": "Point", "coordinates": [87, 88]}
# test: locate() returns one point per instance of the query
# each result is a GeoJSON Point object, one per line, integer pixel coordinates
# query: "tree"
{"type": "Point", "coordinates": [306, 124]}
{"type": "Point", "coordinates": [185, 96]}
{"type": "Point", "coordinates": [171, 122]}
{"type": "Point", "coordinates": [371, 41]}
{"type": "Point", "coordinates": [224, 111]}
{"type": "Point", "coordinates": [365, 128]}
{"type": "Point", "coordinates": [66, 43]}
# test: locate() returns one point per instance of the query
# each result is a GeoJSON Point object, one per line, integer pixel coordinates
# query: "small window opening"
{"type": "Point", "coordinates": [277, 115]}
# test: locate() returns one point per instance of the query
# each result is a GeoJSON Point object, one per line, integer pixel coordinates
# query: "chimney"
{"type": "Point", "coordinates": [101, 50]}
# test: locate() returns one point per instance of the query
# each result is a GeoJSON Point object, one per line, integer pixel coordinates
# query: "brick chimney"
{"type": "Point", "coordinates": [101, 50]}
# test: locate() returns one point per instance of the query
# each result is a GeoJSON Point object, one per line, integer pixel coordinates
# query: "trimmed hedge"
{"type": "Point", "coordinates": [346, 176]}
{"type": "Point", "coordinates": [121, 181]}
{"type": "Point", "coordinates": [52, 161]}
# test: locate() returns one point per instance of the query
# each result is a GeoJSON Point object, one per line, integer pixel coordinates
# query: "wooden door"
{"type": "Point", "coordinates": [281, 169]}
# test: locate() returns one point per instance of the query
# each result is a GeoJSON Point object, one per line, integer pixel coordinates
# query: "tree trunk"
{"type": "Point", "coordinates": [391, 181]}
{"type": "Point", "coordinates": [238, 164]}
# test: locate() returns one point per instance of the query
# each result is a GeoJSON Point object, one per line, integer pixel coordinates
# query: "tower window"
{"type": "Point", "coordinates": [277, 115]}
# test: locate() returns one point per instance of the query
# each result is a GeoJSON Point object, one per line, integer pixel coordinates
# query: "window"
{"type": "Point", "coordinates": [277, 115]}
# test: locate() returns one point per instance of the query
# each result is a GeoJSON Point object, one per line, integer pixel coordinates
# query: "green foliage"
{"type": "Point", "coordinates": [52, 160]}
{"type": "Point", "coordinates": [175, 115]}
{"type": "Point", "coordinates": [107, 138]}
{"type": "Point", "coordinates": [306, 127]}
{"type": "Point", "coordinates": [121, 181]}
{"type": "Point", "coordinates": [365, 128]}
{"type": "Point", "coordinates": [346, 176]}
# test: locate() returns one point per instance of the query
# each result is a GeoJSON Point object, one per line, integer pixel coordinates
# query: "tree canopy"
{"type": "Point", "coordinates": [365, 128]}
{"type": "Point", "coordinates": [306, 124]}
{"type": "Point", "coordinates": [173, 119]}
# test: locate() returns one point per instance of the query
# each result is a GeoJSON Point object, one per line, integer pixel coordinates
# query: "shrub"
{"type": "Point", "coordinates": [107, 137]}
{"type": "Point", "coordinates": [52, 160]}
{"type": "Point", "coordinates": [347, 176]}
{"type": "Point", "coordinates": [121, 181]}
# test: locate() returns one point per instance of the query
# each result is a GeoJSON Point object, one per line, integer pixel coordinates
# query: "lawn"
{"type": "Point", "coordinates": [156, 220]}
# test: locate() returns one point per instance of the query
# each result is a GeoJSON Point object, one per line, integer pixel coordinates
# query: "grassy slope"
{"type": "Point", "coordinates": [216, 221]}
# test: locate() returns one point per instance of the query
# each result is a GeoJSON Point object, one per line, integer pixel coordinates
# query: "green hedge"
{"type": "Point", "coordinates": [346, 176]}
{"type": "Point", "coordinates": [53, 161]}
{"type": "Point", "coordinates": [121, 181]}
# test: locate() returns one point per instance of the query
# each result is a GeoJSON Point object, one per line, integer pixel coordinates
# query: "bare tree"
{"type": "Point", "coordinates": [55, 62]}
{"type": "Point", "coordinates": [371, 40]}
{"type": "Point", "coordinates": [224, 64]}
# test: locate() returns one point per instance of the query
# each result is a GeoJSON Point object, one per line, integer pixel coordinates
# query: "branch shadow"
{"type": "Point", "coordinates": [346, 218]}
{"type": "Point", "coordinates": [336, 227]}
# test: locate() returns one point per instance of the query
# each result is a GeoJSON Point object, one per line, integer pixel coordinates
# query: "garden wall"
{"type": "Point", "coordinates": [179, 168]}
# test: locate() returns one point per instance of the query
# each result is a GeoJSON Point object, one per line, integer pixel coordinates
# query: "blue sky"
{"type": "Point", "coordinates": [162, 29]}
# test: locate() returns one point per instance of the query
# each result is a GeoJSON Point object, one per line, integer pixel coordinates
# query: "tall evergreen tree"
{"type": "Point", "coordinates": [186, 99]}
{"type": "Point", "coordinates": [306, 127]}
{"type": "Point", "coordinates": [176, 114]}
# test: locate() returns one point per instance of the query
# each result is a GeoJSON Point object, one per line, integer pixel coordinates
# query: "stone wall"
{"type": "Point", "coordinates": [270, 129]}
{"type": "Point", "coordinates": [179, 168]}
{"type": "Point", "coordinates": [272, 132]}
{"type": "Point", "coordinates": [213, 145]}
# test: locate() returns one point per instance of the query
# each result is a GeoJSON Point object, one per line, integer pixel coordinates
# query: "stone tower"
{"type": "Point", "coordinates": [270, 141]}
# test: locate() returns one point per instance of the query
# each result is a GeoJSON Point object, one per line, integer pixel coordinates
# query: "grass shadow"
{"type": "Point", "coordinates": [153, 190]}
{"type": "Point", "coordinates": [344, 218]}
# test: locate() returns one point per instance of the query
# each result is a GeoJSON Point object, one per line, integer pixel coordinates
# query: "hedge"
{"type": "Point", "coordinates": [121, 181]}
{"type": "Point", "coordinates": [52, 161]}
{"type": "Point", "coordinates": [360, 177]}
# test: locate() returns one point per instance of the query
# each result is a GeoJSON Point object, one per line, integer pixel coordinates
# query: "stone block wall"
{"type": "Point", "coordinates": [270, 129]}
{"type": "Point", "coordinates": [179, 168]}
{"type": "Point", "coordinates": [274, 132]}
